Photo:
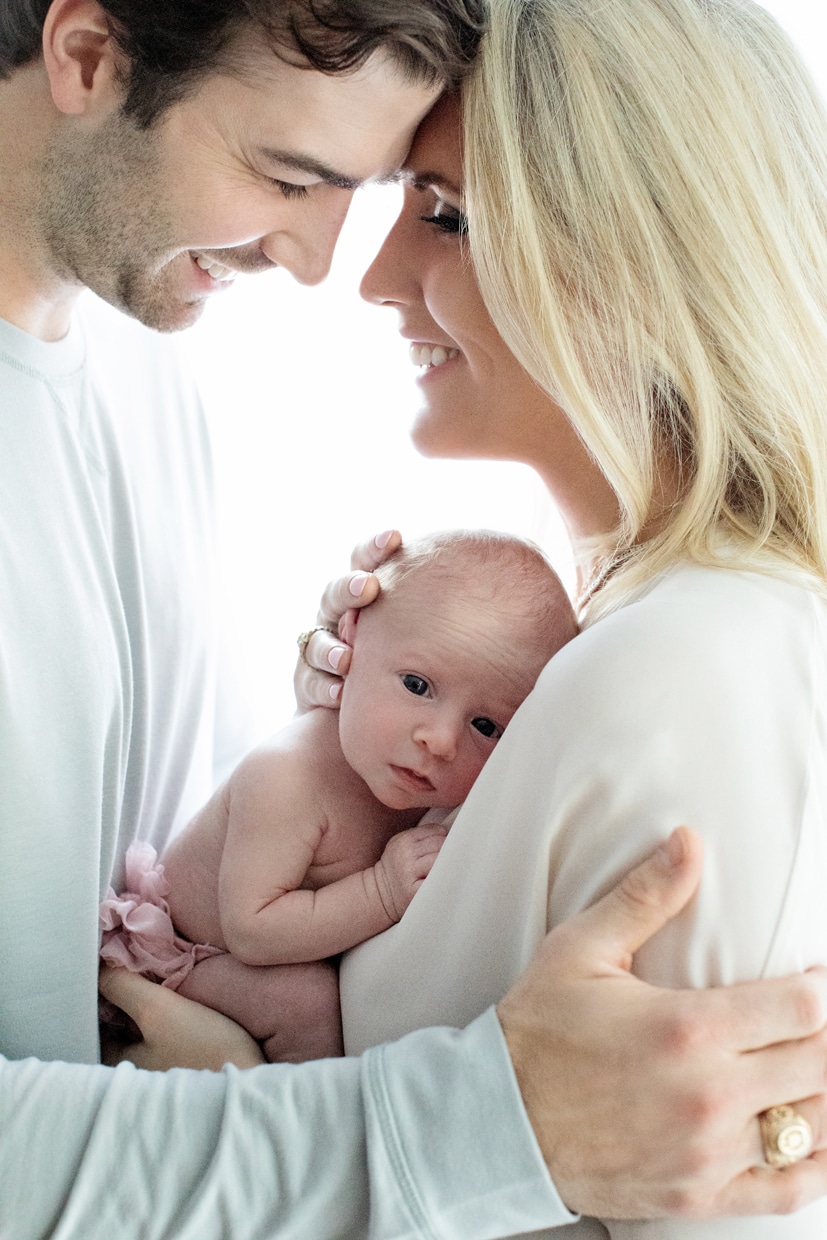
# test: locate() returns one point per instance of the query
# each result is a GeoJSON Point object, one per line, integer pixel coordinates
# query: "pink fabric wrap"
{"type": "Point", "coordinates": [138, 933]}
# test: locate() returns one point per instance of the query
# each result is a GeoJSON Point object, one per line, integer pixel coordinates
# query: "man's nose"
{"type": "Point", "coordinates": [305, 247]}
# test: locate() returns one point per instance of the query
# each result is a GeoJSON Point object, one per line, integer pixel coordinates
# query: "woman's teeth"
{"type": "Point", "coordinates": [431, 354]}
{"type": "Point", "coordinates": [217, 270]}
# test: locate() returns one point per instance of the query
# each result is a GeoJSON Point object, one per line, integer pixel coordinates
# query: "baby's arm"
{"type": "Point", "coordinates": [272, 840]}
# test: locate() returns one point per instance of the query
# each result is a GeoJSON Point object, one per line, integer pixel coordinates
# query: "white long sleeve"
{"type": "Point", "coordinates": [423, 1139]}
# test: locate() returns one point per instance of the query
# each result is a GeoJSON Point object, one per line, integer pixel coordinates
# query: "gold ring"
{"type": "Point", "coordinates": [785, 1135]}
{"type": "Point", "coordinates": [304, 638]}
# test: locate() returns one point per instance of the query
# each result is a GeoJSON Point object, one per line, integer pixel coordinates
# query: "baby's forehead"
{"type": "Point", "coordinates": [461, 615]}
{"type": "Point", "coordinates": [503, 585]}
{"type": "Point", "coordinates": [446, 596]}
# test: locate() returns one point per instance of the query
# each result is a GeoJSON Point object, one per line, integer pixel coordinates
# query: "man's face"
{"type": "Point", "coordinates": [245, 174]}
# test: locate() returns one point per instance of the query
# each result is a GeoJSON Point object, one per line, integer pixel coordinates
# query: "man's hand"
{"type": "Point", "coordinates": [317, 680]}
{"type": "Point", "coordinates": [644, 1101]}
{"type": "Point", "coordinates": [177, 1033]}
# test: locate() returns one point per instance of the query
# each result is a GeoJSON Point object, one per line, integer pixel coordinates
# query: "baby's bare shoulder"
{"type": "Point", "coordinates": [294, 777]}
{"type": "Point", "coordinates": [290, 753]}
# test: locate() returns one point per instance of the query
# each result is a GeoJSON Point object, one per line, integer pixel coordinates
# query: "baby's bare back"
{"type": "Point", "coordinates": [300, 780]}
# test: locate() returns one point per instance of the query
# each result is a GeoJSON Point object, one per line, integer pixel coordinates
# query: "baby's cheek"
{"type": "Point", "coordinates": [472, 770]}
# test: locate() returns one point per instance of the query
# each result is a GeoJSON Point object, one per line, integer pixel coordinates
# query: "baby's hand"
{"type": "Point", "coordinates": [404, 865]}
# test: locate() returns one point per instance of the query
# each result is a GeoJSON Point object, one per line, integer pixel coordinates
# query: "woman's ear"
{"type": "Point", "coordinates": [347, 625]}
{"type": "Point", "coordinates": [80, 57]}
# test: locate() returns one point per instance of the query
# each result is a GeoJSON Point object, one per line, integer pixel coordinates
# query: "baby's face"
{"type": "Point", "coordinates": [430, 690]}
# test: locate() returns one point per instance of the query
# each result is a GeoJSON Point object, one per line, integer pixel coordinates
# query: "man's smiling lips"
{"type": "Point", "coordinates": [247, 263]}
{"type": "Point", "coordinates": [224, 275]}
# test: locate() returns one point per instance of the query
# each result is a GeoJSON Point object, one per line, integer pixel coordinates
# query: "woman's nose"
{"type": "Point", "coordinates": [385, 281]}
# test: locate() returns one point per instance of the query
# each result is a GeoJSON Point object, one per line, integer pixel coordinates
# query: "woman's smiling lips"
{"type": "Point", "coordinates": [432, 359]}
{"type": "Point", "coordinates": [431, 355]}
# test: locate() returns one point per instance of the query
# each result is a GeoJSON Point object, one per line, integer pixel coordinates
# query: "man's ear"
{"type": "Point", "coordinates": [347, 625]}
{"type": "Point", "coordinates": [80, 57]}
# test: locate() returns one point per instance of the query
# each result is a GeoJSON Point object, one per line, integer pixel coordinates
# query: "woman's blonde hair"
{"type": "Point", "coordinates": [647, 187]}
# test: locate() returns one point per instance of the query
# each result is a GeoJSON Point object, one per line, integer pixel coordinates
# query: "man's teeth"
{"type": "Point", "coordinates": [217, 270]}
{"type": "Point", "coordinates": [431, 354]}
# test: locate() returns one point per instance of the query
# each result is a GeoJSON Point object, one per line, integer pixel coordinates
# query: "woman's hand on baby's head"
{"type": "Point", "coordinates": [325, 657]}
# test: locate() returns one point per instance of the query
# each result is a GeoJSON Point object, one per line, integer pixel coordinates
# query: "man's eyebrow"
{"type": "Point", "coordinates": [311, 167]}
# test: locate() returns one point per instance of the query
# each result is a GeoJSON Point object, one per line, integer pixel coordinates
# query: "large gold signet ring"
{"type": "Point", "coordinates": [785, 1135]}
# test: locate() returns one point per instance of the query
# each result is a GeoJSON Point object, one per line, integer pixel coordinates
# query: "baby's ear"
{"type": "Point", "coordinates": [347, 625]}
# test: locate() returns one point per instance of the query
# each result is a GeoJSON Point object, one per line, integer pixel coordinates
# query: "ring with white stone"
{"type": "Point", "coordinates": [304, 638]}
{"type": "Point", "coordinates": [785, 1135]}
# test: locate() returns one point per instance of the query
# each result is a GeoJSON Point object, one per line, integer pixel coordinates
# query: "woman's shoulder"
{"type": "Point", "coordinates": [693, 621]}
{"type": "Point", "coordinates": [701, 654]}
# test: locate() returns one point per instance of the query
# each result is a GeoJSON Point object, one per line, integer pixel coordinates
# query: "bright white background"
{"type": "Point", "coordinates": [310, 393]}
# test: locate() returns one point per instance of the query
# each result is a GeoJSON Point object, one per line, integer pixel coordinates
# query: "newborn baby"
{"type": "Point", "coordinates": [317, 841]}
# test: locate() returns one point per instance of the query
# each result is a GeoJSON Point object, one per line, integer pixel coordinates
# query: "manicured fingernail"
{"type": "Point", "coordinates": [357, 584]}
{"type": "Point", "coordinates": [383, 539]}
{"type": "Point", "coordinates": [670, 854]}
{"type": "Point", "coordinates": [334, 658]}
{"type": "Point", "coordinates": [334, 691]}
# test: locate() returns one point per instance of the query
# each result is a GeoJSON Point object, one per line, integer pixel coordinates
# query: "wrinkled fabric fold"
{"type": "Point", "coordinates": [138, 933]}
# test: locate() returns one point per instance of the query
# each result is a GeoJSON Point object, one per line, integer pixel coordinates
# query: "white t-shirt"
{"type": "Point", "coordinates": [702, 702]}
{"type": "Point", "coordinates": [108, 718]}
{"type": "Point", "coordinates": [107, 649]}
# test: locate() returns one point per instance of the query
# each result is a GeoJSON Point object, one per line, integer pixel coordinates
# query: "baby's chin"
{"type": "Point", "coordinates": [401, 802]}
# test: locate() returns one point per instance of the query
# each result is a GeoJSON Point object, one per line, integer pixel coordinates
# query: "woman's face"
{"type": "Point", "coordinates": [477, 401]}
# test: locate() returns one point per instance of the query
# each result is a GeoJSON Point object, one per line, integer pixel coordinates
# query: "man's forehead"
{"type": "Point", "coordinates": [342, 129]}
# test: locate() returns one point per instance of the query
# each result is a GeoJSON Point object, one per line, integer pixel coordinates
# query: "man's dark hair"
{"type": "Point", "coordinates": [169, 45]}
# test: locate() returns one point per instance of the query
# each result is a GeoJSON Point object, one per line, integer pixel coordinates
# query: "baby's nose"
{"type": "Point", "coordinates": [439, 738]}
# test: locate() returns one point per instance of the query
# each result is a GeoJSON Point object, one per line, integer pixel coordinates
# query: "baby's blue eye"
{"type": "Point", "coordinates": [487, 727]}
{"type": "Point", "coordinates": [415, 684]}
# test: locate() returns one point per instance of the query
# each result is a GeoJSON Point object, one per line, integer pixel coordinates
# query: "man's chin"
{"type": "Point", "coordinates": [157, 303]}
{"type": "Point", "coordinates": [186, 316]}
{"type": "Point", "coordinates": [164, 318]}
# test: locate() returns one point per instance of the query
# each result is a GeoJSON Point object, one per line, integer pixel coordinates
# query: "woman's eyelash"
{"type": "Point", "coordinates": [448, 223]}
{"type": "Point", "coordinates": [288, 189]}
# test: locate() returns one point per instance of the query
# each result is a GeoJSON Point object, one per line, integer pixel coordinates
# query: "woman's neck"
{"type": "Point", "coordinates": [589, 506]}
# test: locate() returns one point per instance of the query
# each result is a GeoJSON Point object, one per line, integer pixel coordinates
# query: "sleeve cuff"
{"type": "Point", "coordinates": [453, 1154]}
